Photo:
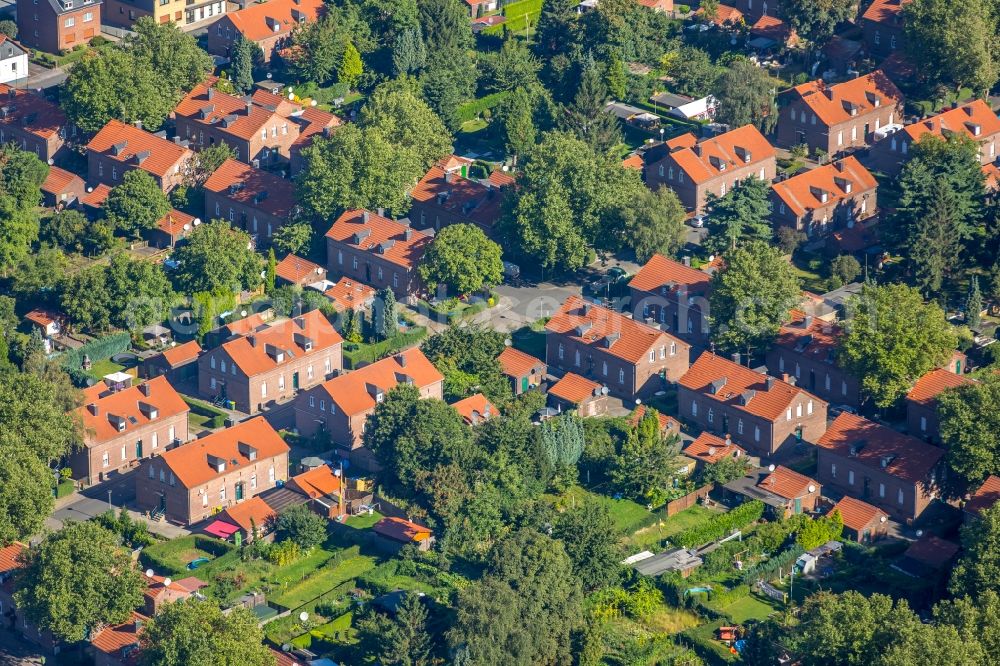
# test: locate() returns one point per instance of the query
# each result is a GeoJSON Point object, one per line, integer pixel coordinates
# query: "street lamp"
{"type": "Point", "coordinates": [110, 505]}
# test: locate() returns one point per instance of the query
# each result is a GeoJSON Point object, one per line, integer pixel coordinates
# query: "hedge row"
{"type": "Point", "coordinates": [472, 110]}
{"type": "Point", "coordinates": [356, 354]}
{"type": "Point", "coordinates": [722, 525]}
{"type": "Point", "coordinates": [216, 417]}
{"type": "Point", "coordinates": [767, 568]}
{"type": "Point", "coordinates": [98, 350]}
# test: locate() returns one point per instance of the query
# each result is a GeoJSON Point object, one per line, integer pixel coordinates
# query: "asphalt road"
{"type": "Point", "coordinates": [94, 501]}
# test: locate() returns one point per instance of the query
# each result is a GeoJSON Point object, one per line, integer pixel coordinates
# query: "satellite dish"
{"type": "Point", "coordinates": [286, 647]}
{"type": "Point", "coordinates": [604, 390]}
{"type": "Point", "coordinates": [243, 313]}
{"type": "Point", "coordinates": [90, 189]}
{"type": "Point", "coordinates": [186, 227]}
{"type": "Point", "coordinates": [882, 519]}
{"type": "Point", "coordinates": [920, 533]}
{"type": "Point", "coordinates": [166, 582]}
{"type": "Point", "coordinates": [149, 573]}
{"type": "Point", "coordinates": [770, 468]}
{"type": "Point", "coordinates": [812, 488]}
{"type": "Point", "coordinates": [312, 103]}
{"type": "Point", "coordinates": [291, 95]}
{"type": "Point", "coordinates": [51, 161]}
{"type": "Point", "coordinates": [303, 616]}
{"type": "Point", "coordinates": [196, 221]}
{"type": "Point", "coordinates": [638, 401]}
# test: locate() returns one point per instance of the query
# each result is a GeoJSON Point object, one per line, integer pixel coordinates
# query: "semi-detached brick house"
{"type": "Point", "coordinates": [257, 134]}
{"type": "Point", "coordinates": [922, 402]}
{"type": "Point", "coordinates": [197, 480]}
{"type": "Point", "coordinates": [523, 370]}
{"type": "Point", "coordinates": [863, 522]}
{"type": "Point", "coordinates": [764, 415]}
{"type": "Point", "coordinates": [380, 252]}
{"type": "Point", "coordinates": [446, 196]}
{"type": "Point", "coordinates": [268, 25]}
{"type": "Point", "coordinates": [61, 188]}
{"type": "Point", "coordinates": [119, 148]}
{"type": "Point", "coordinates": [882, 27]}
{"type": "Point", "coordinates": [57, 25]}
{"type": "Point", "coordinates": [32, 123]}
{"type": "Point", "coordinates": [125, 423]}
{"type": "Point", "coordinates": [631, 358]}
{"type": "Point", "coordinates": [673, 295]}
{"type": "Point", "coordinates": [579, 395]}
{"type": "Point", "coordinates": [709, 449]}
{"type": "Point", "coordinates": [839, 117]}
{"type": "Point", "coordinates": [255, 200]}
{"type": "Point", "coordinates": [341, 405]}
{"type": "Point", "coordinates": [272, 362]}
{"type": "Point", "coordinates": [298, 271]}
{"type": "Point", "coordinates": [694, 169]}
{"type": "Point", "coordinates": [806, 350]}
{"type": "Point", "coordinates": [829, 197]}
{"type": "Point", "coordinates": [871, 462]}
{"type": "Point", "coordinates": [975, 120]}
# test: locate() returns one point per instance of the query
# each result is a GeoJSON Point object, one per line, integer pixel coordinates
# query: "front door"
{"type": "Point", "coordinates": [239, 492]}
{"type": "Point", "coordinates": [295, 381]}
{"type": "Point", "coordinates": [798, 505]}
{"type": "Point", "coordinates": [524, 384]}
{"type": "Point", "coordinates": [138, 450]}
{"type": "Point", "coordinates": [163, 502]}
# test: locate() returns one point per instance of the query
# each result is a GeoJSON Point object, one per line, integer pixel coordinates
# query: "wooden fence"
{"type": "Point", "coordinates": [689, 500]}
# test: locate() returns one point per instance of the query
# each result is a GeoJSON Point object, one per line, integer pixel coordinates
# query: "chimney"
{"type": "Point", "coordinates": [687, 261]}
{"type": "Point", "coordinates": [839, 165]}
{"type": "Point", "coordinates": [365, 215]}
{"type": "Point", "coordinates": [449, 176]}
{"type": "Point", "coordinates": [736, 358]}
{"type": "Point", "coordinates": [808, 321]}
{"type": "Point", "coordinates": [138, 124]}
{"type": "Point", "coordinates": [211, 93]}
{"type": "Point", "coordinates": [249, 104]}
{"type": "Point", "coordinates": [252, 339]}
{"type": "Point", "coordinates": [408, 234]}
{"type": "Point", "coordinates": [401, 359]}
{"type": "Point", "coordinates": [145, 388]}
{"type": "Point", "coordinates": [769, 382]}
{"type": "Point", "coordinates": [381, 212]}
{"type": "Point", "coordinates": [93, 409]}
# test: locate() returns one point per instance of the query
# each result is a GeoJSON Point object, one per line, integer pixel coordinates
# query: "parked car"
{"type": "Point", "coordinates": [511, 271]}
{"type": "Point", "coordinates": [837, 410]}
{"type": "Point", "coordinates": [698, 221]}
{"type": "Point", "coordinates": [614, 275]}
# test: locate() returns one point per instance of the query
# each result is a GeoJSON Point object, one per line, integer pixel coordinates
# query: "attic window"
{"type": "Point", "coordinates": [718, 384]}
{"type": "Point", "coordinates": [583, 328]}
{"type": "Point", "coordinates": [611, 339]}
{"type": "Point", "coordinates": [844, 184]}
{"type": "Point", "coordinates": [974, 128]}
{"type": "Point", "coordinates": [119, 148]}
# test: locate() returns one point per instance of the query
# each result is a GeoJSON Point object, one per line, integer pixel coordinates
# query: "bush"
{"type": "Point", "coordinates": [683, 9]}
{"type": "Point", "coordinates": [766, 569]}
{"type": "Point", "coordinates": [301, 525]}
{"type": "Point", "coordinates": [216, 417]}
{"type": "Point", "coordinates": [721, 525]}
{"type": "Point", "coordinates": [97, 350]}
{"type": "Point", "coordinates": [284, 553]}
{"type": "Point", "coordinates": [475, 108]}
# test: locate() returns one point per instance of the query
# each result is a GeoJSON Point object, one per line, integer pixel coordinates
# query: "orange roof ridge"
{"type": "Point", "coordinates": [708, 158]}
{"type": "Point", "coordinates": [392, 240]}
{"type": "Point", "coordinates": [662, 271]}
{"type": "Point", "coordinates": [880, 447]}
{"type": "Point", "coordinates": [251, 354]}
{"type": "Point", "coordinates": [575, 389]}
{"type": "Point", "coordinates": [350, 391]}
{"type": "Point", "coordinates": [934, 383]}
{"type": "Point", "coordinates": [830, 102]}
{"type": "Point", "coordinates": [131, 407]}
{"type": "Point", "coordinates": [839, 180]}
{"type": "Point", "coordinates": [161, 155]}
{"type": "Point", "coordinates": [787, 483]}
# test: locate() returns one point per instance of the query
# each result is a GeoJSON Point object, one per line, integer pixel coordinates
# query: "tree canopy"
{"type": "Point", "coordinates": [953, 43]}
{"type": "Point", "coordinates": [196, 633]}
{"type": "Point", "coordinates": [746, 96]}
{"type": "Point", "coordinates": [742, 215]}
{"type": "Point", "coordinates": [217, 256]}
{"type": "Point", "coordinates": [969, 426]}
{"type": "Point", "coordinates": [137, 204]}
{"type": "Point", "coordinates": [463, 259]}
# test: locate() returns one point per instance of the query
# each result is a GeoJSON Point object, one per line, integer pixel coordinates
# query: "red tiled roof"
{"type": "Point", "coordinates": [157, 585]}
{"type": "Point", "coordinates": [253, 187]}
{"type": "Point", "coordinates": [173, 223]}
{"type": "Point", "coordinates": [316, 482]}
{"type": "Point", "coordinates": [350, 391]}
{"type": "Point", "coordinates": [516, 363]}
{"type": "Point", "coordinates": [9, 557]}
{"type": "Point", "coordinates": [667, 423]}
{"type": "Point", "coordinates": [818, 339]}
{"type": "Point", "coordinates": [501, 178]}
{"type": "Point", "coordinates": [257, 20]}
{"type": "Point", "coordinates": [984, 498]}
{"type": "Point", "coordinates": [662, 272]}
{"type": "Point", "coordinates": [831, 103]}
{"type": "Point", "coordinates": [252, 357]}
{"type": "Point", "coordinates": [992, 172]}
{"type": "Point", "coordinates": [189, 462]}
{"type": "Point", "coordinates": [933, 384]}
{"type": "Point", "coordinates": [296, 269]}
{"type": "Point", "coordinates": [704, 160]}
{"type": "Point", "coordinates": [30, 111]}
{"type": "Point", "coordinates": [465, 197]}
{"type": "Point", "coordinates": [634, 161]}
{"type": "Point", "coordinates": [771, 27]}
{"type": "Point", "coordinates": [127, 405]}
{"type": "Point", "coordinates": [932, 551]}
{"type": "Point", "coordinates": [42, 317]}
{"type": "Point", "coordinates": [787, 483]}
{"type": "Point", "coordinates": [182, 353]}
{"type": "Point", "coordinates": [839, 181]}
{"type": "Point", "coordinates": [857, 515]}
{"type": "Point", "coordinates": [398, 529]}
{"type": "Point", "coordinates": [768, 397]}
{"type": "Point", "coordinates": [393, 241]}
{"type": "Point", "coordinates": [59, 180]}
{"type": "Point", "coordinates": [894, 453]}
{"type": "Point", "coordinates": [313, 121]}
{"type": "Point", "coordinates": [163, 156]}
{"type": "Point", "coordinates": [475, 409]}
{"type": "Point", "coordinates": [96, 197]}
{"type": "Point", "coordinates": [250, 513]}
{"type": "Point", "coordinates": [965, 119]}
{"type": "Point", "coordinates": [285, 659]}
{"type": "Point", "coordinates": [227, 113]}
{"type": "Point", "coordinates": [575, 389]}
{"type": "Point", "coordinates": [248, 324]}
{"type": "Point", "coordinates": [278, 103]}
{"type": "Point", "coordinates": [349, 294]}
{"type": "Point", "coordinates": [598, 326]}
{"type": "Point", "coordinates": [886, 11]}
{"type": "Point", "coordinates": [111, 640]}
{"type": "Point", "coordinates": [711, 449]}
{"type": "Point", "coordinates": [724, 14]}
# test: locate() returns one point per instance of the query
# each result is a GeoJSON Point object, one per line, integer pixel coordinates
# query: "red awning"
{"type": "Point", "coordinates": [221, 529]}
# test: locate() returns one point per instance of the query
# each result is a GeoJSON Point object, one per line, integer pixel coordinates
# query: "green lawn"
{"type": "Point", "coordinates": [473, 126]}
{"type": "Point", "coordinates": [750, 607]}
{"type": "Point", "coordinates": [177, 553]}
{"type": "Point", "coordinates": [705, 636]}
{"type": "Point", "coordinates": [653, 535]}
{"type": "Point", "coordinates": [64, 488]}
{"type": "Point", "coordinates": [628, 516]}
{"type": "Point", "coordinates": [363, 521]}
{"type": "Point", "coordinates": [104, 367]}
{"type": "Point", "coordinates": [324, 580]}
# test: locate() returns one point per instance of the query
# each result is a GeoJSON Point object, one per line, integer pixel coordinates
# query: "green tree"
{"type": "Point", "coordinates": [556, 28]}
{"type": "Point", "coordinates": [976, 618]}
{"type": "Point", "coordinates": [692, 71]}
{"type": "Point", "coordinates": [76, 579]}
{"type": "Point", "coordinates": [517, 124]}
{"type": "Point", "coordinates": [21, 176]}
{"type": "Point", "coordinates": [246, 56]}
{"type": "Point", "coordinates": [86, 300]}
{"type": "Point", "coordinates": [25, 491]}
{"type": "Point", "coordinates": [409, 55]}
{"type": "Point", "coordinates": [445, 24]}
{"type": "Point", "coordinates": [528, 576]}
{"type": "Point", "coordinates": [447, 86]}
{"type": "Point", "coordinates": [403, 639]}
{"type": "Point", "coordinates": [293, 238]}
{"type": "Point", "coordinates": [463, 259]}
{"type": "Point", "coordinates": [67, 229]}
{"type": "Point", "coordinates": [471, 352]}
{"type": "Point", "coordinates": [384, 314]}
{"type": "Point", "coordinates": [195, 633]}
{"type": "Point", "coordinates": [647, 467]}
{"type": "Point", "coordinates": [350, 69]}
{"type": "Point", "coordinates": [746, 96]}
{"type": "Point", "coordinates": [969, 425]}
{"type": "Point", "coordinates": [976, 571]}
{"type": "Point", "coordinates": [205, 162]}
{"type": "Point", "coordinates": [591, 540]}
{"type": "Point", "coordinates": [301, 525]}
{"type": "Point", "coordinates": [751, 297]}
{"type": "Point", "coordinates": [34, 414]}
{"type": "Point", "coordinates": [174, 55]}
{"type": "Point", "coordinates": [741, 216]}
{"type": "Point", "coordinates": [892, 339]}
{"type": "Point", "coordinates": [399, 116]}
{"type": "Point", "coordinates": [137, 204]}
{"type": "Point", "coordinates": [561, 443]}
{"type": "Point", "coordinates": [816, 20]}
{"type": "Point", "coordinates": [817, 531]}
{"type": "Point", "coordinates": [352, 327]}
{"type": "Point", "coordinates": [974, 304]}
{"type": "Point", "coordinates": [586, 117]}
{"type": "Point", "coordinates": [9, 28]}
{"type": "Point", "coordinates": [513, 68]}
{"type": "Point", "coordinates": [217, 256]}
{"type": "Point", "coordinates": [139, 291]}
{"type": "Point", "coordinates": [955, 44]}
{"type": "Point", "coordinates": [845, 268]}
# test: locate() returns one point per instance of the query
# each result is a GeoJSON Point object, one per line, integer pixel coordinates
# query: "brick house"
{"type": "Point", "coordinates": [984, 498]}
{"type": "Point", "coordinates": [673, 295]}
{"type": "Point", "coordinates": [975, 120]}
{"type": "Point", "coordinates": [341, 405]}
{"type": "Point", "coordinates": [798, 492]}
{"type": "Point", "coordinates": [257, 134]}
{"type": "Point", "coordinates": [269, 25]}
{"type": "Point", "coordinates": [882, 27]}
{"type": "Point", "coordinates": [177, 364]}
{"type": "Point", "coordinates": [271, 363]}
{"type": "Point", "coordinates": [631, 358]}
{"type": "Point", "coordinates": [298, 271]}
{"type": "Point", "coordinates": [709, 449]}
{"type": "Point", "coordinates": [573, 393]}
{"type": "Point", "coordinates": [806, 350]}
{"type": "Point", "coordinates": [32, 122]}
{"type": "Point", "coordinates": [10, 563]}
{"type": "Point", "coordinates": [475, 409]}
{"type": "Point", "coordinates": [171, 229]}
{"type": "Point", "coordinates": [117, 644]}
{"type": "Point", "coordinates": [391, 534]}
{"type": "Point", "coordinates": [163, 589]}
{"type": "Point", "coordinates": [446, 195]}
{"type": "Point", "coordinates": [380, 252]}
{"type": "Point", "coordinates": [61, 188]}
{"type": "Point", "coordinates": [347, 294]}
{"type": "Point", "coordinates": [921, 402]}
{"type": "Point", "coordinates": [839, 117]}
{"type": "Point", "coordinates": [764, 415]}
{"type": "Point", "coordinates": [195, 481]}
{"type": "Point", "coordinates": [754, 9]}
{"type": "Point", "coordinates": [829, 197]}
{"type": "Point", "coordinates": [255, 200]}
{"type": "Point", "coordinates": [125, 423]}
{"type": "Point", "coordinates": [863, 522]}
{"type": "Point", "coordinates": [694, 169]}
{"type": "Point", "coordinates": [119, 148]}
{"type": "Point", "coordinates": [314, 123]}
{"type": "Point", "coordinates": [186, 14]}
{"type": "Point", "coordinates": [57, 25]}
{"type": "Point", "coordinates": [871, 462]}
{"type": "Point", "coordinates": [523, 370]}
